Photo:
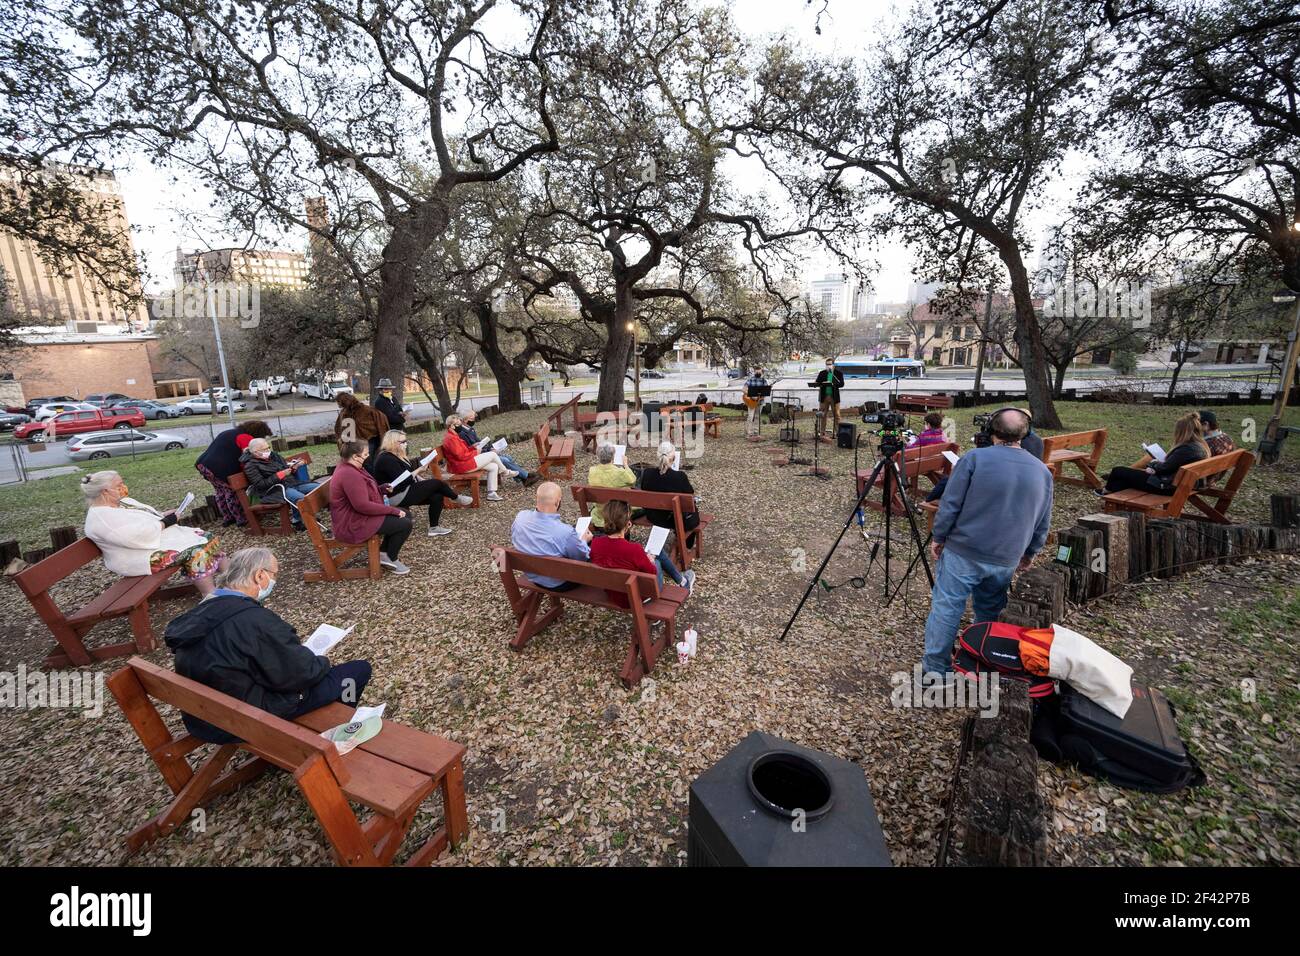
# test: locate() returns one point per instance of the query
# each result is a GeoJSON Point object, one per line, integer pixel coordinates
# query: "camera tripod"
{"type": "Point", "coordinates": [892, 478]}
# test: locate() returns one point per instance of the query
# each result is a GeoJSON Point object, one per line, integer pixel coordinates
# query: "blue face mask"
{"type": "Point", "coordinates": [265, 593]}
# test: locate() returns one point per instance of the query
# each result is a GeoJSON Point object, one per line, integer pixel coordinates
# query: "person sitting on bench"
{"type": "Point", "coordinates": [544, 533]}
{"type": "Point", "coordinates": [665, 479]}
{"type": "Point", "coordinates": [606, 474]}
{"type": "Point", "coordinates": [358, 511]}
{"type": "Point", "coordinates": [220, 460]}
{"type": "Point", "coordinates": [138, 541]}
{"type": "Point", "coordinates": [1158, 476]}
{"type": "Point", "coordinates": [273, 479]}
{"type": "Point", "coordinates": [467, 432]}
{"type": "Point", "coordinates": [613, 550]}
{"type": "Point", "coordinates": [933, 433]}
{"type": "Point", "coordinates": [463, 458]}
{"type": "Point", "coordinates": [233, 644]}
{"type": "Point", "coordinates": [414, 490]}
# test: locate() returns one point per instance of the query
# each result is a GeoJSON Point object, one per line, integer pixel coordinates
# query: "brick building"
{"type": "Point", "coordinates": [80, 364]}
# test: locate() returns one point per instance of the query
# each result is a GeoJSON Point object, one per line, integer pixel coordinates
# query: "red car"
{"type": "Point", "coordinates": [69, 423]}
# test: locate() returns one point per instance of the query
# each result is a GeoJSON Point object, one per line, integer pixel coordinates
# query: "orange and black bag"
{"type": "Point", "coordinates": [1020, 653]}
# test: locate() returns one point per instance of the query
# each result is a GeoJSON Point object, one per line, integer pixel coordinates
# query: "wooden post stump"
{"type": "Point", "coordinates": [1285, 511]}
{"type": "Point", "coordinates": [62, 537]}
{"type": "Point", "coordinates": [1114, 544]}
{"type": "Point", "coordinates": [8, 551]}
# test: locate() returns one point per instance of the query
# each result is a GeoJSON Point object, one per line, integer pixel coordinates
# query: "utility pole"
{"type": "Point", "coordinates": [636, 359]}
{"type": "Point", "coordinates": [1288, 366]}
{"type": "Point", "coordinates": [988, 314]}
{"type": "Point", "coordinates": [221, 351]}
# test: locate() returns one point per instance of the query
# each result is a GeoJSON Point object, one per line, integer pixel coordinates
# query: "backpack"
{"type": "Point", "coordinates": [1019, 653]}
{"type": "Point", "coordinates": [1142, 751]}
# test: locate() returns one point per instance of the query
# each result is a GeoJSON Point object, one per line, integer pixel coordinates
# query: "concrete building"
{"type": "Point", "coordinates": [57, 362]}
{"type": "Point", "coordinates": [68, 297]}
{"type": "Point", "coordinates": [269, 267]}
{"type": "Point", "coordinates": [842, 297]}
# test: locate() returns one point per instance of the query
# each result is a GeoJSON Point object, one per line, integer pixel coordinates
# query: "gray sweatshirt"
{"type": "Point", "coordinates": [997, 507]}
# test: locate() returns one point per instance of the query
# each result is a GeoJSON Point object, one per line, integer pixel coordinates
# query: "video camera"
{"type": "Point", "coordinates": [887, 419]}
{"type": "Point", "coordinates": [983, 437]}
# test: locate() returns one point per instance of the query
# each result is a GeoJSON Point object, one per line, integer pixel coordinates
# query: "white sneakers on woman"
{"type": "Point", "coordinates": [392, 564]}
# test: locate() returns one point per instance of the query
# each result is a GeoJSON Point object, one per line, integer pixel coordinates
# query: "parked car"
{"type": "Point", "coordinates": [199, 405]}
{"type": "Point", "coordinates": [79, 422]}
{"type": "Point", "coordinates": [112, 444]}
{"type": "Point", "coordinates": [735, 373]}
{"type": "Point", "coordinates": [45, 412]}
{"type": "Point", "coordinates": [103, 400]}
{"type": "Point", "coordinates": [652, 373]}
{"type": "Point", "coordinates": [325, 391]}
{"type": "Point", "coordinates": [151, 408]}
{"type": "Point", "coordinates": [35, 403]}
{"type": "Point", "coordinates": [11, 420]}
{"type": "Point", "coordinates": [220, 395]}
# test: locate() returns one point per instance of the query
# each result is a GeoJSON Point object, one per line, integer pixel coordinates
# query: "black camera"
{"type": "Point", "coordinates": [887, 420]}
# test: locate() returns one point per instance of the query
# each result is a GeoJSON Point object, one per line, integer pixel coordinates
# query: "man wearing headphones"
{"type": "Point", "coordinates": [993, 518]}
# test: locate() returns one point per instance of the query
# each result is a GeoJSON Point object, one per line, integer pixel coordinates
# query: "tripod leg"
{"type": "Point", "coordinates": [831, 553]}
{"type": "Point", "coordinates": [911, 520]}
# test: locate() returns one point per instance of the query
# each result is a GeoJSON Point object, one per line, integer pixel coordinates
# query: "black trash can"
{"type": "Point", "coordinates": [773, 803]}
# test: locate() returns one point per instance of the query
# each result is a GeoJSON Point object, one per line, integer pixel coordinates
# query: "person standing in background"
{"type": "Point", "coordinates": [829, 381]}
{"type": "Point", "coordinates": [384, 403]}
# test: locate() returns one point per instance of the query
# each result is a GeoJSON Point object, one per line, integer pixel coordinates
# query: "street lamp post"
{"type": "Point", "coordinates": [636, 359]}
{"type": "Point", "coordinates": [1288, 364]}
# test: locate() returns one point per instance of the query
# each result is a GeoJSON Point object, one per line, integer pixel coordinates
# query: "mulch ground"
{"type": "Point", "coordinates": [565, 766]}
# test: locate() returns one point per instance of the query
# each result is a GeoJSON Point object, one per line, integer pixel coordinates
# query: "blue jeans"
{"type": "Point", "coordinates": [513, 465]}
{"type": "Point", "coordinates": [956, 579]}
{"type": "Point", "coordinates": [296, 494]}
{"type": "Point", "coordinates": [664, 565]}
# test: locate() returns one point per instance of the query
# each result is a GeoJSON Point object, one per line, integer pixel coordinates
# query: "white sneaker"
{"type": "Point", "coordinates": [493, 496]}
{"type": "Point", "coordinates": [392, 564]}
{"type": "Point", "coordinates": [437, 531]}
{"type": "Point", "coordinates": [689, 582]}
{"type": "Point", "coordinates": [464, 500]}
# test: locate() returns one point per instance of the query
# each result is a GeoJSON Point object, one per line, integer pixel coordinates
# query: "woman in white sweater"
{"type": "Point", "coordinates": [137, 540]}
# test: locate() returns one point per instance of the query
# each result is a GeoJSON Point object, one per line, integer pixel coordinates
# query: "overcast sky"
{"type": "Point", "coordinates": [165, 215]}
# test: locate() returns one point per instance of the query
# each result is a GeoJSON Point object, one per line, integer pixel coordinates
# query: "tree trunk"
{"type": "Point", "coordinates": [618, 351]}
{"type": "Point", "coordinates": [1058, 384]}
{"type": "Point", "coordinates": [1029, 342]}
{"type": "Point", "coordinates": [509, 378]}
{"type": "Point", "coordinates": [1173, 382]}
{"type": "Point", "coordinates": [393, 318]}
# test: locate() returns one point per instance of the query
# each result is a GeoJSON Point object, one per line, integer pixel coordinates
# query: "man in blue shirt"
{"type": "Point", "coordinates": [993, 518]}
{"type": "Point", "coordinates": [544, 533]}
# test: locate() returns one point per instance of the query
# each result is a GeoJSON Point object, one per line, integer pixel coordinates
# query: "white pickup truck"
{"type": "Point", "coordinates": [274, 386]}
{"type": "Point", "coordinates": [319, 388]}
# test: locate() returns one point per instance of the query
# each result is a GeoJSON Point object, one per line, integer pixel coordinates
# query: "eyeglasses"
{"type": "Point", "coordinates": [401, 441]}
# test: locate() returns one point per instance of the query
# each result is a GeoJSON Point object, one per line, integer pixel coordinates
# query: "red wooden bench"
{"type": "Point", "coordinates": [556, 418]}
{"type": "Point", "coordinates": [535, 608]}
{"type": "Point", "coordinates": [333, 553]}
{"type": "Point", "coordinates": [1211, 502]}
{"type": "Point", "coordinates": [926, 461]}
{"type": "Point", "coordinates": [255, 512]}
{"type": "Point", "coordinates": [1059, 450]}
{"type": "Point", "coordinates": [553, 452]}
{"type": "Point", "coordinates": [678, 505]}
{"type": "Point", "coordinates": [465, 483]}
{"type": "Point", "coordinates": [125, 597]}
{"type": "Point", "coordinates": [393, 773]}
{"type": "Point", "coordinates": [921, 403]}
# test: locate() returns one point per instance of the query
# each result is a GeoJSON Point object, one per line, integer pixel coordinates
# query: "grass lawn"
{"type": "Point", "coordinates": [566, 767]}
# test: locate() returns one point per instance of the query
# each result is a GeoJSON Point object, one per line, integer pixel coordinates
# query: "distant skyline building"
{"type": "Point", "coordinates": [919, 293]}
{"type": "Point", "coordinates": [74, 302]}
{"type": "Point", "coordinates": [842, 297]}
{"type": "Point", "coordinates": [269, 267]}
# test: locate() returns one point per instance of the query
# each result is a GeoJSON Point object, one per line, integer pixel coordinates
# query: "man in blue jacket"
{"type": "Point", "coordinates": [993, 518]}
{"type": "Point", "coordinates": [233, 644]}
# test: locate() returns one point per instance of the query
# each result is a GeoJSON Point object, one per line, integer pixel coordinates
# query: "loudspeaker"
{"type": "Point", "coordinates": [846, 435]}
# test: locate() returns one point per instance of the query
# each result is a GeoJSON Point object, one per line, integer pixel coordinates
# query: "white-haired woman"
{"type": "Point", "coordinates": [664, 477]}
{"type": "Point", "coordinates": [136, 540]}
{"type": "Point", "coordinates": [462, 458]}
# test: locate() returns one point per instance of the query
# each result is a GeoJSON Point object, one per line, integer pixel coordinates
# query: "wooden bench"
{"type": "Point", "coordinates": [926, 461]}
{"type": "Point", "coordinates": [333, 553]}
{"type": "Point", "coordinates": [921, 403]}
{"type": "Point", "coordinates": [556, 418]}
{"type": "Point", "coordinates": [464, 483]}
{"type": "Point", "coordinates": [535, 608]}
{"type": "Point", "coordinates": [125, 597]}
{"type": "Point", "coordinates": [1212, 502]}
{"type": "Point", "coordinates": [552, 452]}
{"type": "Point", "coordinates": [679, 505]}
{"type": "Point", "coordinates": [255, 512]}
{"type": "Point", "coordinates": [590, 431]}
{"type": "Point", "coordinates": [392, 773]}
{"type": "Point", "coordinates": [1061, 449]}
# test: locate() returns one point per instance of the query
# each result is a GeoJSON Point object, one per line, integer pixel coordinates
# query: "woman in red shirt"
{"type": "Point", "coordinates": [613, 550]}
{"type": "Point", "coordinates": [461, 458]}
{"type": "Point", "coordinates": [357, 508]}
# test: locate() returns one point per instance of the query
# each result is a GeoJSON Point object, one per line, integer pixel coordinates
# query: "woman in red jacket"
{"type": "Point", "coordinates": [614, 550]}
{"type": "Point", "coordinates": [462, 458]}
{"type": "Point", "coordinates": [357, 509]}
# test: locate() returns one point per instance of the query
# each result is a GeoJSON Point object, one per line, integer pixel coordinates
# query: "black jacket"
{"type": "Point", "coordinates": [388, 466]}
{"type": "Point", "coordinates": [835, 379]}
{"type": "Point", "coordinates": [669, 482]}
{"type": "Point", "coordinates": [1187, 454]}
{"type": "Point", "coordinates": [264, 475]}
{"type": "Point", "coordinates": [396, 419]}
{"type": "Point", "coordinates": [222, 456]}
{"type": "Point", "coordinates": [236, 646]}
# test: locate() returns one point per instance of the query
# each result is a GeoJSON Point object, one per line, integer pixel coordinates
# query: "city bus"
{"type": "Point", "coordinates": [889, 368]}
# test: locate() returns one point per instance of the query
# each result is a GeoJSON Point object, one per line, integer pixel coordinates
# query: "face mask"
{"type": "Point", "coordinates": [264, 455]}
{"type": "Point", "coordinates": [265, 593]}
{"type": "Point", "coordinates": [123, 492]}
{"type": "Point", "coordinates": [386, 394]}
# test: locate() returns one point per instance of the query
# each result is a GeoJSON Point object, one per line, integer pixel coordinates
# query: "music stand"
{"type": "Point", "coordinates": [792, 432]}
{"type": "Point", "coordinates": [817, 471]}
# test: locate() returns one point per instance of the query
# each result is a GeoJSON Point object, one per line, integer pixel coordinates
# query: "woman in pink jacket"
{"type": "Point", "coordinates": [357, 509]}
